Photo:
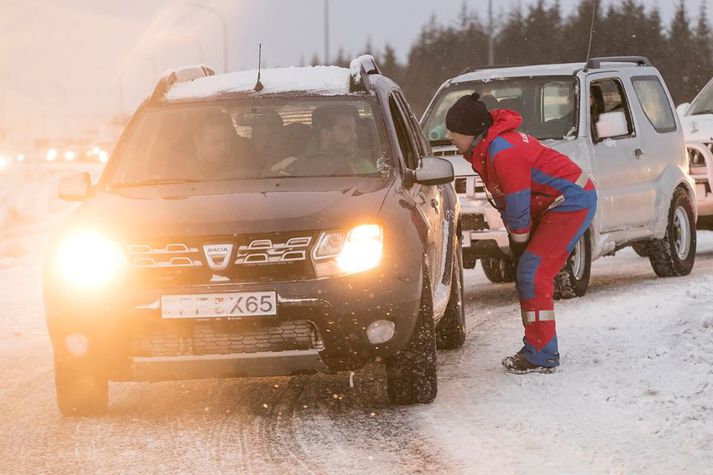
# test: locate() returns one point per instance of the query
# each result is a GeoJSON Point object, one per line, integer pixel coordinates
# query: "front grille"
{"type": "Point", "coordinates": [169, 338]}
{"type": "Point", "coordinates": [697, 161]}
{"type": "Point", "coordinates": [253, 258]}
{"type": "Point", "coordinates": [446, 152]}
{"type": "Point", "coordinates": [473, 222]}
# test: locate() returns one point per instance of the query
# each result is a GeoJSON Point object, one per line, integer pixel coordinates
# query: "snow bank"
{"type": "Point", "coordinates": [330, 80]}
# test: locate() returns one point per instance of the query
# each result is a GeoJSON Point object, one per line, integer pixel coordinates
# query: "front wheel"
{"type": "Point", "coordinates": [573, 279]}
{"type": "Point", "coordinates": [675, 254]}
{"type": "Point", "coordinates": [411, 375]}
{"type": "Point", "coordinates": [450, 331]}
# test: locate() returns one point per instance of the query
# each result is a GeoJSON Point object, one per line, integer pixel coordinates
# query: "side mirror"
{"type": "Point", "coordinates": [612, 124]}
{"type": "Point", "coordinates": [434, 171]}
{"type": "Point", "coordinates": [683, 108]}
{"type": "Point", "coordinates": [75, 187]}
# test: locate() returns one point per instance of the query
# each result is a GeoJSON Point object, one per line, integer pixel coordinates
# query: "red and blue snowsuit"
{"type": "Point", "coordinates": [546, 201]}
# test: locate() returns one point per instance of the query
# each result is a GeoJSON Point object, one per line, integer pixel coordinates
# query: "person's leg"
{"type": "Point", "coordinates": [547, 252]}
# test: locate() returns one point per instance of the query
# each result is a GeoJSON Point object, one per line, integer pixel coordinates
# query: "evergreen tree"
{"type": "Point", "coordinates": [703, 49]}
{"type": "Point", "coordinates": [389, 64]}
{"type": "Point", "coordinates": [680, 56]}
{"type": "Point", "coordinates": [315, 60]}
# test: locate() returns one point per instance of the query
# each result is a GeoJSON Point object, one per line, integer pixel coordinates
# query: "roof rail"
{"type": "Point", "coordinates": [472, 69]}
{"type": "Point", "coordinates": [596, 63]}
{"type": "Point", "coordinates": [361, 68]}
{"type": "Point", "coordinates": [174, 76]}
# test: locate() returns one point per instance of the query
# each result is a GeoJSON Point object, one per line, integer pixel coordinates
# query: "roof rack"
{"type": "Point", "coordinates": [596, 63]}
{"type": "Point", "coordinates": [174, 76]}
{"type": "Point", "coordinates": [361, 68]}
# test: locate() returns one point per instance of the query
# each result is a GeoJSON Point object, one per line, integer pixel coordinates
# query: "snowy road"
{"type": "Point", "coordinates": [633, 395]}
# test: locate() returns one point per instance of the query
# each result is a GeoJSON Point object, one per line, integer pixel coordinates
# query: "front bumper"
{"type": "Point", "coordinates": [119, 324]}
{"type": "Point", "coordinates": [484, 233]}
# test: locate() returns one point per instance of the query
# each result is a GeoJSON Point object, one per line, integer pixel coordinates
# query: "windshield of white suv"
{"type": "Point", "coordinates": [251, 139]}
{"type": "Point", "coordinates": [703, 103]}
{"type": "Point", "coordinates": [547, 105]}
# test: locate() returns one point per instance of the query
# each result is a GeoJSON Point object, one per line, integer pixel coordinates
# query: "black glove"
{"type": "Point", "coordinates": [517, 248]}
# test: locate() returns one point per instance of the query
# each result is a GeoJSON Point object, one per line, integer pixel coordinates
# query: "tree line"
{"type": "Point", "coordinates": [541, 34]}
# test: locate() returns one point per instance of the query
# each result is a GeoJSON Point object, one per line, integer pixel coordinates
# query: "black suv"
{"type": "Point", "coordinates": [288, 225]}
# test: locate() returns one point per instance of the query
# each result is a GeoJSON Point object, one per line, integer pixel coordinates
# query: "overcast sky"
{"type": "Point", "coordinates": [98, 55]}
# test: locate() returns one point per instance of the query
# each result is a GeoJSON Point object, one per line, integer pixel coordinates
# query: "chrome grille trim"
{"type": "Point", "coordinates": [264, 251]}
{"type": "Point", "coordinates": [145, 256]}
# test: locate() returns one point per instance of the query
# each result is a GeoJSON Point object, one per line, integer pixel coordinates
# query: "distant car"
{"type": "Point", "coordinates": [614, 117]}
{"type": "Point", "coordinates": [212, 247]}
{"type": "Point", "coordinates": [697, 122]}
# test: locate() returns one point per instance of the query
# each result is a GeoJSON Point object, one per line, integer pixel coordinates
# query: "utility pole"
{"type": "Point", "coordinates": [224, 22]}
{"type": "Point", "coordinates": [326, 31]}
{"type": "Point", "coordinates": [491, 49]}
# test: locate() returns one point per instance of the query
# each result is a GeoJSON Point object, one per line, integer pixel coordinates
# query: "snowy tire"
{"type": "Point", "coordinates": [411, 375]}
{"type": "Point", "coordinates": [450, 331]}
{"type": "Point", "coordinates": [641, 248]}
{"type": "Point", "coordinates": [573, 279]}
{"type": "Point", "coordinates": [80, 393]}
{"type": "Point", "coordinates": [499, 271]}
{"type": "Point", "coordinates": [675, 254]}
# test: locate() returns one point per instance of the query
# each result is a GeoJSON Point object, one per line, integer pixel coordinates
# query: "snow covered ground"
{"type": "Point", "coordinates": [634, 392]}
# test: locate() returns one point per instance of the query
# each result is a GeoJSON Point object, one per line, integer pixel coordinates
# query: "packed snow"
{"type": "Point", "coordinates": [330, 80]}
{"type": "Point", "coordinates": [633, 394]}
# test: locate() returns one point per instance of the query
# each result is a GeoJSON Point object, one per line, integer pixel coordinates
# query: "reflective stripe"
{"type": "Point", "coordinates": [582, 180]}
{"type": "Point", "coordinates": [520, 237]}
{"type": "Point", "coordinates": [558, 201]}
{"type": "Point", "coordinates": [532, 317]}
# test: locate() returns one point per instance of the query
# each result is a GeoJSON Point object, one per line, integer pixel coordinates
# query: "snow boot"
{"type": "Point", "coordinates": [518, 364]}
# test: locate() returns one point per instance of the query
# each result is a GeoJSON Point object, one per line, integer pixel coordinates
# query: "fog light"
{"type": "Point", "coordinates": [77, 344]}
{"type": "Point", "coordinates": [380, 331]}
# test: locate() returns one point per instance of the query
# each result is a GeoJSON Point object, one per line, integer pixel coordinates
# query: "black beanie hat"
{"type": "Point", "coordinates": [468, 116]}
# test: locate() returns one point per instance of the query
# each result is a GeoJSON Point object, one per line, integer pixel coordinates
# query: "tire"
{"type": "Point", "coordinates": [641, 248]}
{"type": "Point", "coordinates": [80, 393]}
{"type": "Point", "coordinates": [411, 375]}
{"type": "Point", "coordinates": [573, 279]}
{"type": "Point", "coordinates": [450, 331]}
{"type": "Point", "coordinates": [499, 271]}
{"type": "Point", "coordinates": [675, 254]}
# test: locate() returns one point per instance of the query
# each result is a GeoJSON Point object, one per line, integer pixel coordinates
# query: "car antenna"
{"type": "Point", "coordinates": [258, 85]}
{"type": "Point", "coordinates": [591, 33]}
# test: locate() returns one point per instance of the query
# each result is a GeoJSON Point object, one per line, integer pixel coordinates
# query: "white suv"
{"type": "Point", "coordinates": [615, 118]}
{"type": "Point", "coordinates": [697, 121]}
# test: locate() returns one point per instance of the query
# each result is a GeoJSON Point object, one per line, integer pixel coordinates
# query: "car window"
{"type": "Point", "coordinates": [546, 104]}
{"type": "Point", "coordinates": [424, 148]}
{"type": "Point", "coordinates": [253, 139]}
{"type": "Point", "coordinates": [703, 104]}
{"type": "Point", "coordinates": [408, 149]}
{"type": "Point", "coordinates": [607, 95]}
{"type": "Point", "coordinates": [654, 102]}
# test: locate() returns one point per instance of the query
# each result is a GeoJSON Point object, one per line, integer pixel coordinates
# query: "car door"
{"type": "Point", "coordinates": [663, 144]}
{"type": "Point", "coordinates": [620, 178]}
{"type": "Point", "coordinates": [425, 197]}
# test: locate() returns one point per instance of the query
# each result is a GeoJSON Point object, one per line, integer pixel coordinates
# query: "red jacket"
{"type": "Point", "coordinates": [525, 177]}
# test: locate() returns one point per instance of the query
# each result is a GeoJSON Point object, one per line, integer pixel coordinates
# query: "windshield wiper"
{"type": "Point", "coordinates": [153, 182]}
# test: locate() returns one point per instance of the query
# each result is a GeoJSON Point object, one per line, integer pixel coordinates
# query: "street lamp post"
{"type": "Point", "coordinates": [224, 22]}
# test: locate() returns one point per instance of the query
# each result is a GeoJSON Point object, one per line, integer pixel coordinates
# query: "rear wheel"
{"type": "Point", "coordinates": [411, 375]}
{"type": "Point", "coordinates": [573, 279]}
{"type": "Point", "coordinates": [80, 392]}
{"type": "Point", "coordinates": [498, 271]}
{"type": "Point", "coordinates": [450, 331]}
{"type": "Point", "coordinates": [675, 254]}
{"type": "Point", "coordinates": [641, 248]}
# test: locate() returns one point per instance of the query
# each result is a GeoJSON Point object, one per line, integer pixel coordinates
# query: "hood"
{"type": "Point", "coordinates": [227, 208]}
{"type": "Point", "coordinates": [698, 128]}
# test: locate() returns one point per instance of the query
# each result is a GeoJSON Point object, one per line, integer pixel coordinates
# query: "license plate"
{"type": "Point", "coordinates": [240, 304]}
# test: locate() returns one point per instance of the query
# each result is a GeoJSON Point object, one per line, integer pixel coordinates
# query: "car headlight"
{"type": "Point", "coordinates": [349, 252]}
{"type": "Point", "coordinates": [88, 259]}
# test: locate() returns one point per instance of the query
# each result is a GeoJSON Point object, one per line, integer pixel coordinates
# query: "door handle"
{"type": "Point", "coordinates": [639, 152]}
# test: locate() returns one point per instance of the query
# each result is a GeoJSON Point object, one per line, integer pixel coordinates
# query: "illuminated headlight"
{"type": "Point", "coordinates": [88, 259]}
{"type": "Point", "coordinates": [349, 252]}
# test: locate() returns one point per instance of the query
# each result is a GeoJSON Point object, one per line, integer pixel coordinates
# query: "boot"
{"type": "Point", "coordinates": [518, 364]}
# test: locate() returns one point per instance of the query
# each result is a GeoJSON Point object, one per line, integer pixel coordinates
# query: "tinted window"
{"type": "Point", "coordinates": [608, 95]}
{"type": "Point", "coordinates": [654, 102]}
{"type": "Point", "coordinates": [704, 102]}
{"type": "Point", "coordinates": [252, 139]}
{"type": "Point", "coordinates": [408, 150]}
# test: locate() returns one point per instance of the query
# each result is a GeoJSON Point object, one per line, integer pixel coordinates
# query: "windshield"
{"type": "Point", "coordinates": [704, 103]}
{"type": "Point", "coordinates": [546, 104]}
{"type": "Point", "coordinates": [251, 139]}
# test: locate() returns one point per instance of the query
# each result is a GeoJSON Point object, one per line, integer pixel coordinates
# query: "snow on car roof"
{"type": "Point", "coordinates": [520, 71]}
{"type": "Point", "coordinates": [327, 80]}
